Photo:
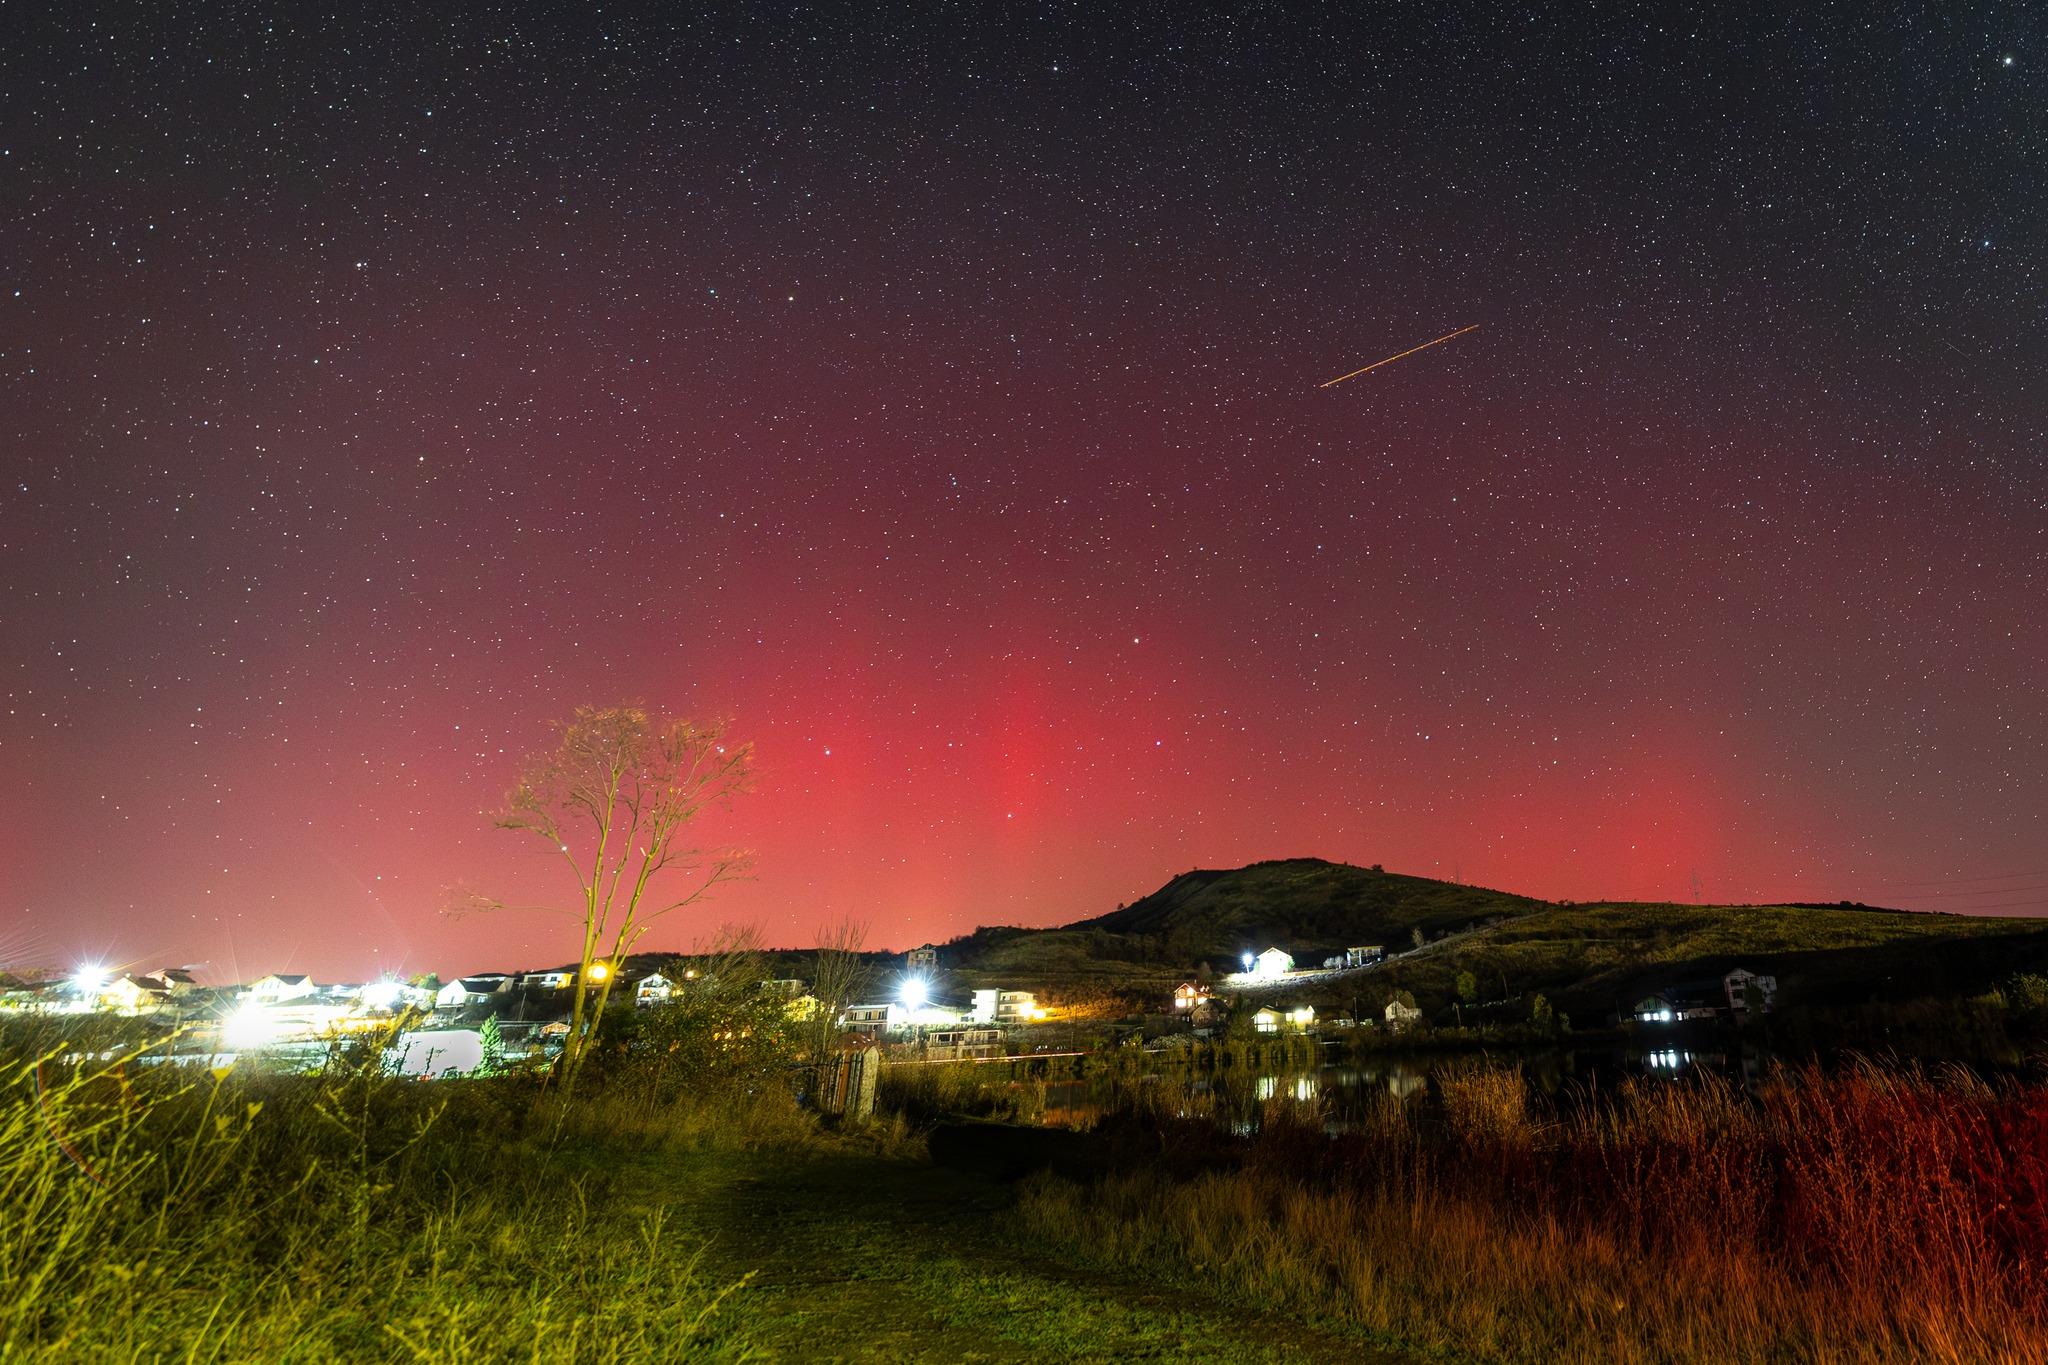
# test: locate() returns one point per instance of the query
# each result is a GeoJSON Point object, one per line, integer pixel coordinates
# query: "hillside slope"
{"type": "Point", "coordinates": [1597, 959]}
{"type": "Point", "coordinates": [1590, 959]}
{"type": "Point", "coordinates": [1306, 905]}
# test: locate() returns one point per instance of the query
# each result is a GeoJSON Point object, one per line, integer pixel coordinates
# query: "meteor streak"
{"type": "Point", "coordinates": [1392, 358]}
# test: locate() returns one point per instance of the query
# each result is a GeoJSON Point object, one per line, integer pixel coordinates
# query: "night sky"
{"type": "Point", "coordinates": [938, 399]}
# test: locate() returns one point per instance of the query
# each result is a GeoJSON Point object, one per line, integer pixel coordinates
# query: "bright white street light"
{"type": "Point", "coordinates": [914, 992]}
{"type": "Point", "coordinates": [251, 1026]}
{"type": "Point", "coordinates": [89, 980]}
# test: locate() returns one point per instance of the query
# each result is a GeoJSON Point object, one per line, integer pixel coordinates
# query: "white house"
{"type": "Point", "coordinates": [872, 1021]}
{"type": "Point", "coordinates": [1400, 1016]}
{"type": "Point", "coordinates": [652, 989]}
{"type": "Point", "coordinates": [1271, 965]}
{"type": "Point", "coordinates": [922, 959]}
{"type": "Point", "coordinates": [559, 979]}
{"type": "Point", "coordinates": [1738, 983]}
{"type": "Point", "coordinates": [279, 987]}
{"type": "Point", "coordinates": [1293, 1019]}
{"type": "Point", "coordinates": [1004, 1007]}
{"type": "Point", "coordinates": [134, 994]}
{"type": "Point", "coordinates": [467, 991]}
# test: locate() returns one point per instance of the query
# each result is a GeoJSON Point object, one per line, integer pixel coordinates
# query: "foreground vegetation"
{"type": "Point", "coordinates": [1871, 1215]}
{"type": "Point", "coordinates": [684, 1206]}
{"type": "Point", "coordinates": [344, 1216]}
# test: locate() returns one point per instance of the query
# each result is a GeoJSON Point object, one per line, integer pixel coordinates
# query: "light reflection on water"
{"type": "Point", "coordinates": [1340, 1092]}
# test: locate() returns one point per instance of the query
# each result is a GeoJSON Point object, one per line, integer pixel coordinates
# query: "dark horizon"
{"type": "Point", "coordinates": [938, 398]}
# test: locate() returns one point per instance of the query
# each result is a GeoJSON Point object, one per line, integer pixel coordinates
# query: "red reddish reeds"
{"type": "Point", "coordinates": [1869, 1214]}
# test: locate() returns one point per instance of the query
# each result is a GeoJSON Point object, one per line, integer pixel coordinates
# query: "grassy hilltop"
{"type": "Point", "coordinates": [1311, 907]}
{"type": "Point", "coordinates": [1589, 958]}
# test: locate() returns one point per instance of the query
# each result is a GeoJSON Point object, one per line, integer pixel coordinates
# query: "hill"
{"type": "Point", "coordinates": [1590, 959]}
{"type": "Point", "coordinates": [1308, 906]}
{"type": "Point", "coordinates": [1594, 959]}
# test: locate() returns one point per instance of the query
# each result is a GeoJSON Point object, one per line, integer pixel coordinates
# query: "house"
{"type": "Point", "coordinates": [788, 987]}
{"type": "Point", "coordinates": [279, 987]}
{"type": "Point", "coordinates": [1292, 1019]}
{"type": "Point", "coordinates": [1363, 957]}
{"type": "Point", "coordinates": [559, 979]}
{"type": "Point", "coordinates": [1400, 1016]}
{"type": "Point", "coordinates": [870, 1021]}
{"type": "Point", "coordinates": [962, 1044]}
{"type": "Point", "coordinates": [1683, 1003]}
{"type": "Point", "coordinates": [134, 994]}
{"type": "Point", "coordinates": [1655, 1009]}
{"type": "Point", "coordinates": [925, 958]}
{"type": "Point", "coordinates": [1188, 994]}
{"type": "Point", "coordinates": [1743, 985]}
{"type": "Point", "coordinates": [652, 989]}
{"type": "Point", "coordinates": [466, 991]}
{"type": "Point", "coordinates": [177, 981]}
{"type": "Point", "coordinates": [1270, 965]}
{"type": "Point", "coordinates": [1005, 1007]}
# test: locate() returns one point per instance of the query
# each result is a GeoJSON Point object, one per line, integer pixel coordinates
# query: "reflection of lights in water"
{"type": "Point", "coordinates": [1668, 1060]}
{"type": "Point", "coordinates": [1301, 1087]}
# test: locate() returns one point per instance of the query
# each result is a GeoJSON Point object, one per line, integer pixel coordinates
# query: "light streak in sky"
{"type": "Point", "coordinates": [1392, 358]}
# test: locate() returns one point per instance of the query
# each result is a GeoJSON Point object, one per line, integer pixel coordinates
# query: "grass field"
{"type": "Point", "coordinates": [146, 1215]}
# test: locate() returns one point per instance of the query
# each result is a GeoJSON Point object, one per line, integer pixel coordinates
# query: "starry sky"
{"type": "Point", "coordinates": [937, 397]}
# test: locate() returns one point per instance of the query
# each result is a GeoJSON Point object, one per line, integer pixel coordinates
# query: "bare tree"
{"type": "Point", "coordinates": [614, 798]}
{"type": "Point", "coordinates": [840, 975]}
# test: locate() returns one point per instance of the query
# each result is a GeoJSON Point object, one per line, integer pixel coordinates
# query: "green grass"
{"type": "Point", "coordinates": [864, 1257]}
{"type": "Point", "coordinates": [147, 1213]}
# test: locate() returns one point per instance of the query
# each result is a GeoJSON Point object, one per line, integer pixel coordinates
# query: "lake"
{"type": "Point", "coordinates": [1238, 1097]}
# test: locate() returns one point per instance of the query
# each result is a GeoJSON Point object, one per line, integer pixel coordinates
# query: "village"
{"type": "Point", "coordinates": [484, 1020]}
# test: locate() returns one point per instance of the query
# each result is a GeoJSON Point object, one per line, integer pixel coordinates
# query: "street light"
{"type": "Point", "coordinates": [600, 970]}
{"type": "Point", "coordinates": [914, 992]}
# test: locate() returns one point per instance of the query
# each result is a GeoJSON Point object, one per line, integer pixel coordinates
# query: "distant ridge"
{"type": "Point", "coordinates": [1308, 905]}
{"type": "Point", "coordinates": [1592, 957]}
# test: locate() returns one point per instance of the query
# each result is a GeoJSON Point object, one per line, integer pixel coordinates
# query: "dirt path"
{"type": "Point", "coordinates": [860, 1258]}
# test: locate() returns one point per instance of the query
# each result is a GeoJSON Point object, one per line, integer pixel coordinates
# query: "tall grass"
{"type": "Point", "coordinates": [156, 1212]}
{"type": "Point", "coordinates": [1871, 1215]}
